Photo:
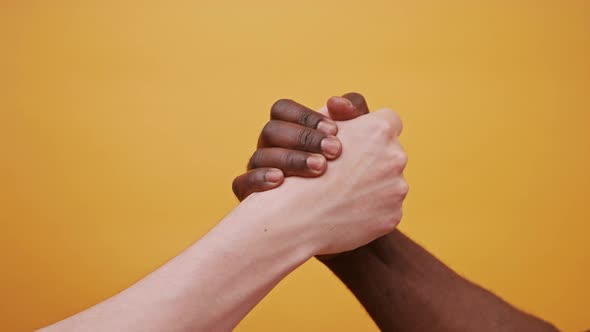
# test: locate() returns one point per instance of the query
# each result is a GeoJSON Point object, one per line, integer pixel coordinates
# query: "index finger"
{"type": "Point", "coordinates": [291, 111]}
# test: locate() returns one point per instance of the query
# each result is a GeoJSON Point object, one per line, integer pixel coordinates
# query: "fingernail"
{"type": "Point", "coordinates": [316, 163]}
{"type": "Point", "coordinates": [273, 176]}
{"type": "Point", "coordinates": [327, 127]}
{"type": "Point", "coordinates": [348, 102]}
{"type": "Point", "coordinates": [344, 101]}
{"type": "Point", "coordinates": [330, 146]}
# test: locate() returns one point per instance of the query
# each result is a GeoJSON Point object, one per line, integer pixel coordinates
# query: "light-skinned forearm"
{"type": "Point", "coordinates": [405, 288]}
{"type": "Point", "coordinates": [216, 282]}
{"type": "Point", "coordinates": [210, 286]}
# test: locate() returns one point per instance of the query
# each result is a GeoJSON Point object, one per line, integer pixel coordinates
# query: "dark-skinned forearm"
{"type": "Point", "coordinates": [405, 288]}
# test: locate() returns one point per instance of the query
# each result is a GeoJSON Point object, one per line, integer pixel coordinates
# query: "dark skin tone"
{"type": "Point", "coordinates": [401, 285]}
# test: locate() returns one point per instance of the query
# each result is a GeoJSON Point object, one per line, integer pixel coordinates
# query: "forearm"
{"type": "Point", "coordinates": [211, 286]}
{"type": "Point", "coordinates": [405, 288]}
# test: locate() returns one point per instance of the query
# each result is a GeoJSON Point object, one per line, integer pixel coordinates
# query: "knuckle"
{"type": "Point", "coordinates": [395, 120]}
{"type": "Point", "coordinates": [304, 118]}
{"type": "Point", "coordinates": [392, 165]}
{"type": "Point", "coordinates": [390, 222]}
{"type": "Point", "coordinates": [255, 160]}
{"type": "Point", "coordinates": [293, 161]}
{"type": "Point", "coordinates": [308, 119]}
{"type": "Point", "coordinates": [305, 138]}
{"type": "Point", "coordinates": [382, 128]}
{"type": "Point", "coordinates": [394, 219]}
{"type": "Point", "coordinates": [254, 179]}
{"type": "Point", "coordinates": [399, 160]}
{"type": "Point", "coordinates": [403, 189]}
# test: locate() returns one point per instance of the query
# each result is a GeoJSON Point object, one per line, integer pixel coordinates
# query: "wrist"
{"type": "Point", "coordinates": [393, 252]}
{"type": "Point", "coordinates": [270, 221]}
{"type": "Point", "coordinates": [291, 215]}
{"type": "Point", "coordinates": [237, 263]}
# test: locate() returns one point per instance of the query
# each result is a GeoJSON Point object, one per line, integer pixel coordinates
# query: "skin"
{"type": "Point", "coordinates": [401, 285]}
{"type": "Point", "coordinates": [214, 283]}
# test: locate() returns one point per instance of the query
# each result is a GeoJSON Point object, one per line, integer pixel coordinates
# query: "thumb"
{"type": "Point", "coordinates": [348, 107]}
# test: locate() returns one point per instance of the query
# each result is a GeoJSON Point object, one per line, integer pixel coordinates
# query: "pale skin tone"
{"type": "Point", "coordinates": [214, 283]}
{"type": "Point", "coordinates": [400, 284]}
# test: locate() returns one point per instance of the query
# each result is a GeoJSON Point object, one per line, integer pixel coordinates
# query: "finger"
{"type": "Point", "coordinates": [392, 119]}
{"type": "Point", "coordinates": [358, 101]}
{"type": "Point", "coordinates": [292, 136]}
{"type": "Point", "coordinates": [291, 162]}
{"type": "Point", "coordinates": [257, 180]}
{"type": "Point", "coordinates": [347, 107]}
{"type": "Point", "coordinates": [291, 111]}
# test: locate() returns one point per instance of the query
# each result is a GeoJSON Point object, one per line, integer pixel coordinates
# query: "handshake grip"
{"type": "Point", "coordinates": [354, 198]}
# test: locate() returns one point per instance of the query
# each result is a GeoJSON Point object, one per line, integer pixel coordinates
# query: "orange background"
{"type": "Point", "coordinates": [123, 123]}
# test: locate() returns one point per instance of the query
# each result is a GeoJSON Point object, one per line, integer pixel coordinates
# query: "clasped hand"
{"type": "Point", "coordinates": [358, 161]}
